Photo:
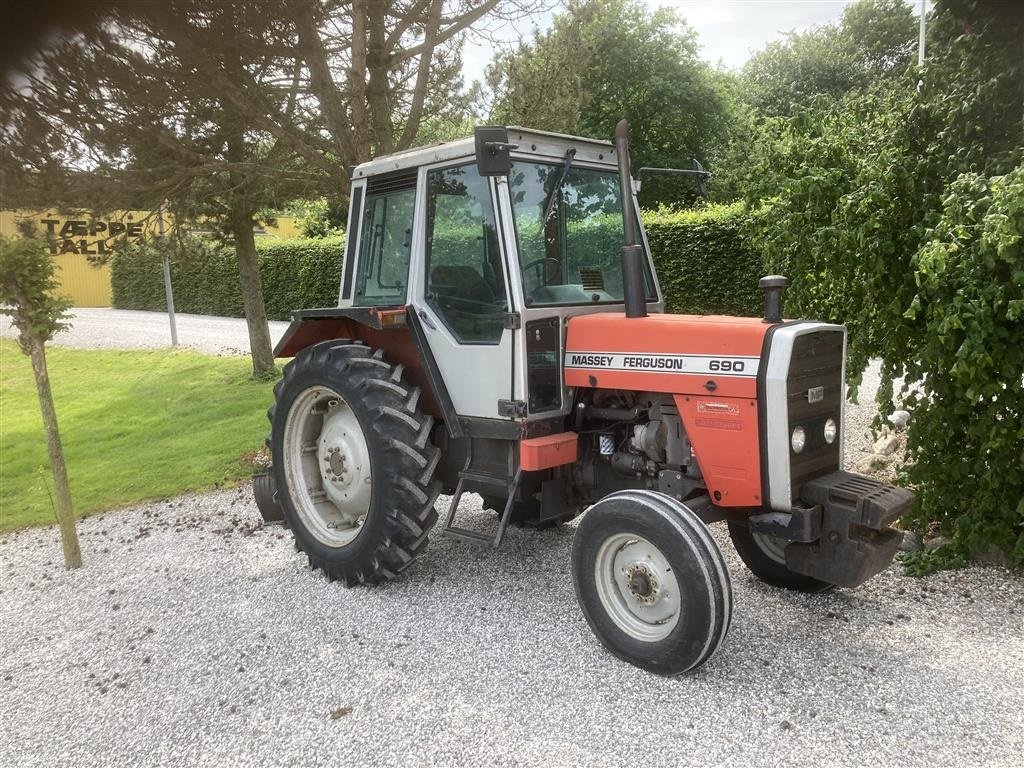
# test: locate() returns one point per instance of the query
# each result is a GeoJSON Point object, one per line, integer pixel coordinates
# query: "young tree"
{"type": "Point", "coordinates": [27, 294]}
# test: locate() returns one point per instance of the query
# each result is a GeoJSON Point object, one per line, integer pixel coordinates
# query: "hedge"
{"type": "Point", "coordinates": [705, 261]}
{"type": "Point", "coordinates": [295, 273]}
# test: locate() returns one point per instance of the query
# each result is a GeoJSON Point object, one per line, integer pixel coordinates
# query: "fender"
{"type": "Point", "coordinates": [385, 328]}
{"type": "Point", "coordinates": [311, 326]}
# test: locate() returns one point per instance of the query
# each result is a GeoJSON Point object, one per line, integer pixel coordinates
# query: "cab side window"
{"type": "Point", "coordinates": [385, 243]}
{"type": "Point", "coordinates": [465, 275]}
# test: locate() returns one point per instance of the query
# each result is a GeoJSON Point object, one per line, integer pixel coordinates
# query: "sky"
{"type": "Point", "coordinates": [728, 30]}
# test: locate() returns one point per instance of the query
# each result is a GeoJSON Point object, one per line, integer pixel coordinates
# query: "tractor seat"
{"type": "Point", "coordinates": [460, 281]}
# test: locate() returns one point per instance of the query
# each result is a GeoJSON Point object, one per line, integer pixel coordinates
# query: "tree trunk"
{"type": "Point", "coordinates": [252, 287]}
{"type": "Point", "coordinates": [240, 217]}
{"type": "Point", "coordinates": [65, 511]}
{"type": "Point", "coordinates": [378, 97]}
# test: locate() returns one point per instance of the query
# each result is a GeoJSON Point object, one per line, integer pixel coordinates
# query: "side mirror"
{"type": "Point", "coordinates": [492, 148]}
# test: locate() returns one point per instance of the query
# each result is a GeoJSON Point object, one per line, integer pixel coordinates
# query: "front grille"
{"type": "Point", "coordinates": [817, 361]}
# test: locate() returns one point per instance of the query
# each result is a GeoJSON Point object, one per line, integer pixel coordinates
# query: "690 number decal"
{"type": "Point", "coordinates": [726, 366]}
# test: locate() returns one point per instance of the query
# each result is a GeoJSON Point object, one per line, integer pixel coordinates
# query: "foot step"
{"type": "Point", "coordinates": [475, 537]}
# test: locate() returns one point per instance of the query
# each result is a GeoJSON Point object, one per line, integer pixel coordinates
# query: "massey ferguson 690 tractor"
{"type": "Point", "coordinates": [500, 330]}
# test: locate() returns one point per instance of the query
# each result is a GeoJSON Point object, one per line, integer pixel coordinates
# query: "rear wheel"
{"type": "Point", "coordinates": [765, 556]}
{"type": "Point", "coordinates": [651, 581]}
{"type": "Point", "coordinates": [353, 464]}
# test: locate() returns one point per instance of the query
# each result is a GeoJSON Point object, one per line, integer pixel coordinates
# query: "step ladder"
{"type": "Point", "coordinates": [478, 479]}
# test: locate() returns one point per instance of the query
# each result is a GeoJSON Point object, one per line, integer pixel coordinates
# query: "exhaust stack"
{"type": "Point", "coordinates": [632, 253]}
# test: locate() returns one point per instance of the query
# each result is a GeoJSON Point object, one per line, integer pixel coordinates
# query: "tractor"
{"type": "Point", "coordinates": [500, 330]}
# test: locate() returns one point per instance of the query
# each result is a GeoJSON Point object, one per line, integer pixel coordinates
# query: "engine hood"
{"type": "Point", "coordinates": [694, 354]}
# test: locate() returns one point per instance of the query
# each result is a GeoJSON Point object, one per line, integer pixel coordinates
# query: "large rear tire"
{"type": "Point", "coordinates": [651, 581]}
{"type": "Point", "coordinates": [353, 462]}
{"type": "Point", "coordinates": [765, 556]}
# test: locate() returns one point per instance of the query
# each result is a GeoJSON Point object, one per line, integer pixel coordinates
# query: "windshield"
{"type": "Point", "coordinates": [569, 237]}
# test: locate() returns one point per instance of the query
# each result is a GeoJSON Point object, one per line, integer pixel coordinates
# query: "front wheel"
{"type": "Point", "coordinates": [651, 581]}
{"type": "Point", "coordinates": [765, 556]}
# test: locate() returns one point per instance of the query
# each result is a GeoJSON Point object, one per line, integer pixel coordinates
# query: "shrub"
{"type": "Point", "coordinates": [295, 274]}
{"type": "Point", "coordinates": [706, 260]}
{"type": "Point", "coordinates": [898, 211]}
{"type": "Point", "coordinates": [966, 439]}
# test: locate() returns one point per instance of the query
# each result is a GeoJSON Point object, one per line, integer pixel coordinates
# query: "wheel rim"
{"type": "Point", "coordinates": [327, 466]}
{"type": "Point", "coordinates": [773, 546]}
{"type": "Point", "coordinates": [637, 587]}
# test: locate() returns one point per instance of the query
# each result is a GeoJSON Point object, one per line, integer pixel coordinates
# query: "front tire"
{"type": "Point", "coordinates": [353, 462]}
{"type": "Point", "coordinates": [651, 581]}
{"type": "Point", "coordinates": [765, 556]}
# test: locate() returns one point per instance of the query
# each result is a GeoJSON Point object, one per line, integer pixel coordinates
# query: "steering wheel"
{"type": "Point", "coordinates": [539, 262]}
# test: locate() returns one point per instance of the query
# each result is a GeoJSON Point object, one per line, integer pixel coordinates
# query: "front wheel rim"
{"type": "Point", "coordinates": [327, 466]}
{"type": "Point", "coordinates": [637, 587]}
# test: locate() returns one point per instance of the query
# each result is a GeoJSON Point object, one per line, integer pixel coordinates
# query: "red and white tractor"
{"type": "Point", "coordinates": [500, 330]}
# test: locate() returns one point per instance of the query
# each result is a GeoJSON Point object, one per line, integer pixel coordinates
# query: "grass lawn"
{"type": "Point", "coordinates": [135, 425]}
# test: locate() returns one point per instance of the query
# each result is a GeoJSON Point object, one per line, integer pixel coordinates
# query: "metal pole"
{"type": "Point", "coordinates": [920, 34]}
{"type": "Point", "coordinates": [168, 290]}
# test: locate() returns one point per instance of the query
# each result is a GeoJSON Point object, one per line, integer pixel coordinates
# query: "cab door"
{"type": "Point", "coordinates": [460, 294]}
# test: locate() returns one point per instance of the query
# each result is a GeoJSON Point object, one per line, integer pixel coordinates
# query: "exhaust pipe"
{"type": "Point", "coordinates": [632, 254]}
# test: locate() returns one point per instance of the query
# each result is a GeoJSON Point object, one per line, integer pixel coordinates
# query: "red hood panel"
{"type": "Point", "coordinates": [665, 353]}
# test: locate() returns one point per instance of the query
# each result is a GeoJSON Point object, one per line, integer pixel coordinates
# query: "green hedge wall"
{"type": "Point", "coordinates": [295, 273]}
{"type": "Point", "coordinates": [706, 262]}
{"type": "Point", "coordinates": [706, 259]}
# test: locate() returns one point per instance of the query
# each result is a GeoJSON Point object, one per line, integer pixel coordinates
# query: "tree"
{"type": "Point", "coordinates": [27, 294]}
{"type": "Point", "coordinates": [874, 38]}
{"type": "Point", "coordinates": [133, 108]}
{"type": "Point", "coordinates": [607, 59]}
{"type": "Point", "coordinates": [378, 69]}
{"type": "Point", "coordinates": [226, 109]}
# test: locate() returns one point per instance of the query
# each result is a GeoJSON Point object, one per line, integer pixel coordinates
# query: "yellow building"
{"type": "Point", "coordinates": [81, 243]}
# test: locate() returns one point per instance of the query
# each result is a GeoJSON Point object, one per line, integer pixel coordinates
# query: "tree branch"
{"type": "Point", "coordinates": [419, 94]}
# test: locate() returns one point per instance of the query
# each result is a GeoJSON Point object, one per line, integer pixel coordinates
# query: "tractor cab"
{"type": "Point", "coordinates": [491, 259]}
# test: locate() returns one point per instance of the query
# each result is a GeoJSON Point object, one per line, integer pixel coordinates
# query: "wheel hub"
{"type": "Point", "coordinates": [327, 465]}
{"type": "Point", "coordinates": [642, 583]}
{"type": "Point", "coordinates": [637, 586]}
{"type": "Point", "coordinates": [337, 465]}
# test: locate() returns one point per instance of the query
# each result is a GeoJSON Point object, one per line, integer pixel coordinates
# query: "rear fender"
{"type": "Point", "coordinates": [381, 328]}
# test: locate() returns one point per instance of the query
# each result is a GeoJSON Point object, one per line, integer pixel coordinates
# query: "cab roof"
{"type": "Point", "coordinates": [531, 144]}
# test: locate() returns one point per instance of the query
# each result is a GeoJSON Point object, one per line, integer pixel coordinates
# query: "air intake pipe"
{"type": "Point", "coordinates": [632, 253]}
{"type": "Point", "coordinates": [773, 286]}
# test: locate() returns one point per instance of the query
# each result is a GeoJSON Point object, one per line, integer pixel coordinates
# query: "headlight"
{"type": "Point", "coordinates": [798, 439]}
{"type": "Point", "coordinates": [830, 431]}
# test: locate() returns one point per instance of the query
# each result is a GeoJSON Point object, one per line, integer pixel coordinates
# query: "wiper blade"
{"type": "Point", "coordinates": [553, 195]}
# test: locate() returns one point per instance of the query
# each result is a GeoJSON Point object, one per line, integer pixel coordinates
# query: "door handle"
{"type": "Point", "coordinates": [427, 321]}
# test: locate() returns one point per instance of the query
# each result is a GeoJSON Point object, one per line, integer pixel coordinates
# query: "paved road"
{"type": "Point", "coordinates": [195, 636]}
{"type": "Point", "coordinates": [129, 329]}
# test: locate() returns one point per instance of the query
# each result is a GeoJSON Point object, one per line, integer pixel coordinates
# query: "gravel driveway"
{"type": "Point", "coordinates": [101, 328]}
{"type": "Point", "coordinates": [196, 636]}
